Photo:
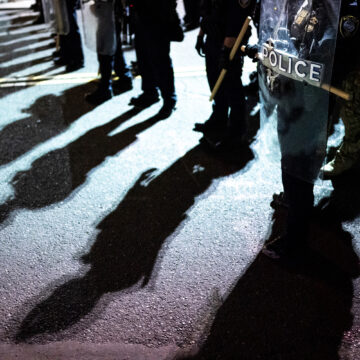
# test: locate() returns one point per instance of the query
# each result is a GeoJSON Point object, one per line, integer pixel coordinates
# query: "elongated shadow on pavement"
{"type": "Point", "coordinates": [5, 49]}
{"type": "Point", "coordinates": [56, 175]}
{"type": "Point", "coordinates": [22, 66]}
{"type": "Point", "coordinates": [289, 312]}
{"type": "Point", "coordinates": [10, 42]}
{"type": "Point", "coordinates": [49, 116]}
{"type": "Point", "coordinates": [7, 57]}
{"type": "Point", "coordinates": [127, 247]}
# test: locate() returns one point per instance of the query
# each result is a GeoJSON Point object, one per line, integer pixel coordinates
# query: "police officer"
{"type": "Point", "coordinates": [71, 54]}
{"type": "Point", "coordinates": [220, 25]}
{"type": "Point", "coordinates": [156, 24]}
{"type": "Point", "coordinates": [347, 74]}
{"type": "Point", "coordinates": [309, 31]}
{"type": "Point", "coordinates": [109, 52]}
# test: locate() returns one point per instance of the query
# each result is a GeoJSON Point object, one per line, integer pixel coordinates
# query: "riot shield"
{"type": "Point", "coordinates": [98, 18]}
{"type": "Point", "coordinates": [56, 14]}
{"type": "Point", "coordinates": [62, 23]}
{"type": "Point", "coordinates": [48, 10]}
{"type": "Point", "coordinates": [297, 40]}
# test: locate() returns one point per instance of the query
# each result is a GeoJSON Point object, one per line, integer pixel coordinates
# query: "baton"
{"type": "Point", "coordinates": [331, 89]}
{"type": "Point", "coordinates": [231, 57]}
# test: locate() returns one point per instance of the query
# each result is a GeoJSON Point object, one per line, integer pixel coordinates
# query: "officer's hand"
{"type": "Point", "coordinates": [199, 46]}
{"type": "Point", "coordinates": [224, 61]}
{"type": "Point", "coordinates": [251, 51]}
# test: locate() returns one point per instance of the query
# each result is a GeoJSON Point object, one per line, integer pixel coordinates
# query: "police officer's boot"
{"type": "Point", "coordinates": [104, 90]}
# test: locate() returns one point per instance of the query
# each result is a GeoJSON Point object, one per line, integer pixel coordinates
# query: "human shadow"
{"type": "Point", "coordinates": [56, 175]}
{"type": "Point", "coordinates": [22, 66]}
{"type": "Point", "coordinates": [7, 57]}
{"type": "Point", "coordinates": [288, 312]}
{"type": "Point", "coordinates": [10, 42]}
{"type": "Point", "coordinates": [14, 37]}
{"type": "Point", "coordinates": [7, 48]}
{"type": "Point", "coordinates": [126, 250]}
{"type": "Point", "coordinates": [48, 116]}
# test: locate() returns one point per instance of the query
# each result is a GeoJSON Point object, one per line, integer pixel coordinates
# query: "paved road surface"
{"type": "Point", "coordinates": [122, 238]}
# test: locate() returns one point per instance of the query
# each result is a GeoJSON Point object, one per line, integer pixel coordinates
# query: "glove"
{"type": "Point", "coordinates": [251, 51]}
{"type": "Point", "coordinates": [199, 46]}
{"type": "Point", "coordinates": [224, 61]}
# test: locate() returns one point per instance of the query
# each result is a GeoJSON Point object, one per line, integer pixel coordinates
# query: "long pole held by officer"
{"type": "Point", "coordinates": [222, 21]}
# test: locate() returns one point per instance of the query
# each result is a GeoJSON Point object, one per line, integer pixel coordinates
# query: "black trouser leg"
{"type": "Point", "coordinates": [71, 43]}
{"type": "Point", "coordinates": [148, 82]}
{"type": "Point", "coordinates": [163, 70]}
{"type": "Point", "coordinates": [235, 97]}
{"type": "Point", "coordinates": [300, 197]}
{"type": "Point", "coordinates": [220, 104]}
{"type": "Point", "coordinates": [106, 66]}
{"type": "Point", "coordinates": [120, 67]}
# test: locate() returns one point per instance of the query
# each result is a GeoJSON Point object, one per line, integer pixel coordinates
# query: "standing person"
{"type": "Point", "coordinates": [71, 53]}
{"type": "Point", "coordinates": [347, 75]}
{"type": "Point", "coordinates": [298, 44]}
{"type": "Point", "coordinates": [156, 24]}
{"type": "Point", "coordinates": [109, 52]}
{"type": "Point", "coordinates": [221, 23]}
{"type": "Point", "coordinates": [192, 14]}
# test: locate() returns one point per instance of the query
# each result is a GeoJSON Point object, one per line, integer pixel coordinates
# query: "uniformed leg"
{"type": "Point", "coordinates": [143, 48]}
{"type": "Point", "coordinates": [348, 154]}
{"type": "Point", "coordinates": [104, 90]}
{"type": "Point", "coordinates": [71, 43]}
{"type": "Point", "coordinates": [219, 116]}
{"type": "Point", "coordinates": [300, 199]}
{"type": "Point", "coordinates": [122, 71]}
{"type": "Point", "coordinates": [163, 70]}
{"type": "Point", "coordinates": [235, 96]}
{"type": "Point", "coordinates": [148, 83]}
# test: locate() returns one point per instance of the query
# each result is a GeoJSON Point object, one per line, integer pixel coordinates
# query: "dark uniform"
{"type": "Point", "coordinates": [224, 19]}
{"type": "Point", "coordinates": [154, 24]}
{"type": "Point", "coordinates": [192, 14]}
{"type": "Point", "coordinates": [111, 61]}
{"type": "Point", "coordinates": [301, 116]}
{"type": "Point", "coordinates": [346, 75]}
{"type": "Point", "coordinates": [71, 53]}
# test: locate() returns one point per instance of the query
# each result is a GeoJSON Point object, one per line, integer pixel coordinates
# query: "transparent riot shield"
{"type": "Point", "coordinates": [297, 40]}
{"type": "Point", "coordinates": [98, 18]}
{"type": "Point", "coordinates": [62, 23]}
{"type": "Point", "coordinates": [48, 10]}
{"type": "Point", "coordinates": [56, 14]}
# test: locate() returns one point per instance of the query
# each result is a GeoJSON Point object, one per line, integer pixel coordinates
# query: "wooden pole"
{"type": "Point", "coordinates": [338, 92]}
{"type": "Point", "coordinates": [231, 57]}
